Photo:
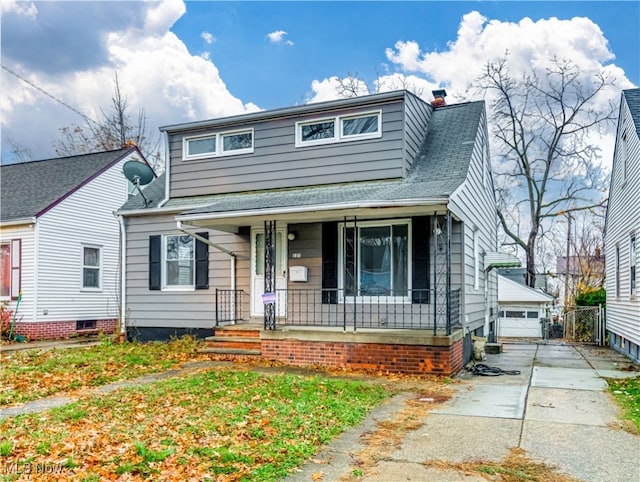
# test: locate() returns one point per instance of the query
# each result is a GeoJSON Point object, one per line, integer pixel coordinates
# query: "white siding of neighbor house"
{"type": "Point", "coordinates": [26, 233]}
{"type": "Point", "coordinates": [178, 309]}
{"type": "Point", "coordinates": [85, 217]}
{"type": "Point", "coordinates": [474, 204]}
{"type": "Point", "coordinates": [623, 219]}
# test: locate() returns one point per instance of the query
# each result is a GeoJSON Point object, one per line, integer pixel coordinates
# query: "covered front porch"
{"type": "Point", "coordinates": [377, 288]}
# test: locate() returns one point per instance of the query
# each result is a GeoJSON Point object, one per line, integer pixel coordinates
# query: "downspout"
{"type": "Point", "coordinates": [123, 278]}
{"type": "Point", "coordinates": [167, 170]}
{"type": "Point", "coordinates": [233, 256]}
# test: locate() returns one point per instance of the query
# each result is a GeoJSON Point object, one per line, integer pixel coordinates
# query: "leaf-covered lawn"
{"type": "Point", "coordinates": [627, 393]}
{"type": "Point", "coordinates": [218, 425]}
{"type": "Point", "coordinates": [31, 374]}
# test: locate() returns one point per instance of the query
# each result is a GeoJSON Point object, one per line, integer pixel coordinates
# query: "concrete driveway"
{"type": "Point", "coordinates": [557, 410]}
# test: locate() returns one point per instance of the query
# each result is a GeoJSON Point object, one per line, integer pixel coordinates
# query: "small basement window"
{"type": "Point", "coordinates": [86, 325]}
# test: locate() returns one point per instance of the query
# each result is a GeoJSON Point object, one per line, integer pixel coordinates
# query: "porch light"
{"type": "Point", "coordinates": [291, 236]}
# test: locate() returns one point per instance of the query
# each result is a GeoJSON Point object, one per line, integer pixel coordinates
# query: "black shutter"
{"type": "Point", "coordinates": [420, 241]}
{"type": "Point", "coordinates": [330, 262]}
{"type": "Point", "coordinates": [202, 263]}
{"type": "Point", "coordinates": [155, 262]}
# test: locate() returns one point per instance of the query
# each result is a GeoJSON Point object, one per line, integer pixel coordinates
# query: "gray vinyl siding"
{"type": "Point", "coordinates": [623, 219]}
{"type": "Point", "coordinates": [277, 163]}
{"type": "Point", "coordinates": [474, 204]}
{"type": "Point", "coordinates": [417, 116]}
{"type": "Point", "coordinates": [180, 309]}
{"type": "Point", "coordinates": [308, 244]}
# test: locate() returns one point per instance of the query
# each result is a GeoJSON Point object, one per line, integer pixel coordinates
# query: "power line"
{"type": "Point", "coordinates": [40, 89]}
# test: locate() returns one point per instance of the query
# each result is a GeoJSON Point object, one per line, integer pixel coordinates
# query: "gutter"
{"type": "Point", "coordinates": [233, 256]}
{"type": "Point", "coordinates": [18, 222]}
{"type": "Point", "coordinates": [167, 170]}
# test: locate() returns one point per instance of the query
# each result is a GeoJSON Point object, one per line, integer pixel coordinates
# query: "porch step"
{"type": "Point", "coordinates": [230, 351]}
{"type": "Point", "coordinates": [245, 330]}
{"type": "Point", "coordinates": [234, 342]}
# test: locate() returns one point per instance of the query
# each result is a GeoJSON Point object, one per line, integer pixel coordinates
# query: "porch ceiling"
{"type": "Point", "coordinates": [230, 221]}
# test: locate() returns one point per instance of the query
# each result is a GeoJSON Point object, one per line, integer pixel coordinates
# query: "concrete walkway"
{"type": "Point", "coordinates": [556, 410]}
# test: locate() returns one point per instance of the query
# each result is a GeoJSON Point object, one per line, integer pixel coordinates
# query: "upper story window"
{"type": "Point", "coordinates": [218, 144]}
{"type": "Point", "coordinates": [343, 128]}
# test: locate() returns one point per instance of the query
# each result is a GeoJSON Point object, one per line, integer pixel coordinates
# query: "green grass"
{"type": "Point", "coordinates": [222, 423]}
{"type": "Point", "coordinates": [32, 374]}
{"type": "Point", "coordinates": [627, 394]}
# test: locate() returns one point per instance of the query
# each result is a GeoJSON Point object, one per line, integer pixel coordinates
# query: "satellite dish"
{"type": "Point", "coordinates": [140, 174]}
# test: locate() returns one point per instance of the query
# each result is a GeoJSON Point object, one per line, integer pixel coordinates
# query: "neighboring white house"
{"type": "Point", "coordinates": [622, 232]}
{"type": "Point", "coordinates": [521, 309]}
{"type": "Point", "coordinates": [59, 242]}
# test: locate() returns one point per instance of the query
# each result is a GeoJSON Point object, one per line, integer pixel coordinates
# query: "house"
{"type": "Point", "coordinates": [59, 242]}
{"type": "Point", "coordinates": [353, 231]}
{"type": "Point", "coordinates": [521, 309]}
{"type": "Point", "coordinates": [622, 231]}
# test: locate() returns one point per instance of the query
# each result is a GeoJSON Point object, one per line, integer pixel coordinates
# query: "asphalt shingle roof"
{"type": "Point", "coordinates": [153, 192]}
{"type": "Point", "coordinates": [633, 101]}
{"type": "Point", "coordinates": [29, 188]}
{"type": "Point", "coordinates": [439, 168]}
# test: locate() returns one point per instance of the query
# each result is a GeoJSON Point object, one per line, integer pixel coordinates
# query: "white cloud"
{"type": "Point", "coordinates": [208, 37]}
{"type": "Point", "coordinates": [278, 37]}
{"type": "Point", "coordinates": [155, 71]}
{"type": "Point", "coordinates": [28, 9]}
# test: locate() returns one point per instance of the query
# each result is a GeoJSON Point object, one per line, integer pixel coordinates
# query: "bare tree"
{"type": "Point", "coordinates": [115, 129]}
{"type": "Point", "coordinates": [545, 162]}
{"type": "Point", "coordinates": [22, 153]}
{"type": "Point", "coordinates": [352, 85]}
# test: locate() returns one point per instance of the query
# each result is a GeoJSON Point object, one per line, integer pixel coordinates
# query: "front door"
{"type": "Point", "coordinates": [257, 271]}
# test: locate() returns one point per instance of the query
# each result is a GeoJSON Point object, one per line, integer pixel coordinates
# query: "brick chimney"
{"type": "Point", "coordinates": [438, 98]}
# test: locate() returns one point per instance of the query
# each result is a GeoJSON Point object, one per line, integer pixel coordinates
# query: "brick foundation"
{"type": "Point", "coordinates": [387, 357]}
{"type": "Point", "coordinates": [61, 329]}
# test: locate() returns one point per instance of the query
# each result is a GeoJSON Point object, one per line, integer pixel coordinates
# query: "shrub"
{"type": "Point", "coordinates": [6, 314]}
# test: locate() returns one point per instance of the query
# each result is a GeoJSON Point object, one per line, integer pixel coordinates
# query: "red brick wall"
{"type": "Point", "coordinates": [60, 329]}
{"type": "Point", "coordinates": [412, 359]}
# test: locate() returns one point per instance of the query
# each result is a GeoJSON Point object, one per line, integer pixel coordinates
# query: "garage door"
{"type": "Point", "coordinates": [519, 323]}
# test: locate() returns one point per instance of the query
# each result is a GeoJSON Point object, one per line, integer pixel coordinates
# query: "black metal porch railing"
{"type": "Point", "coordinates": [406, 309]}
{"type": "Point", "coordinates": [231, 305]}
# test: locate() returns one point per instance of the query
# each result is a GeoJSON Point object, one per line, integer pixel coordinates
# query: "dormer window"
{"type": "Point", "coordinates": [339, 129]}
{"type": "Point", "coordinates": [219, 144]}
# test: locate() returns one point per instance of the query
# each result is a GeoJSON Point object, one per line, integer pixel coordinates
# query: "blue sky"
{"type": "Point", "coordinates": [197, 60]}
{"type": "Point", "coordinates": [334, 38]}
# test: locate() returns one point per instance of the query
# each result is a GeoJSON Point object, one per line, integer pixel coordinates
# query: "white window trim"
{"type": "Point", "coordinates": [633, 262]}
{"type": "Point", "coordinates": [164, 270]}
{"type": "Point", "coordinates": [100, 266]}
{"type": "Point", "coordinates": [338, 136]}
{"type": "Point", "coordinates": [476, 259]}
{"type": "Point", "coordinates": [372, 299]}
{"type": "Point", "coordinates": [219, 142]}
{"type": "Point", "coordinates": [617, 272]}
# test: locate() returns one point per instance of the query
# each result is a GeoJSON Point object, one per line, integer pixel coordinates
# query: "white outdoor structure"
{"type": "Point", "coordinates": [520, 309]}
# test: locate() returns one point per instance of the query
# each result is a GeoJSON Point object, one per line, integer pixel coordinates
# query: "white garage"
{"type": "Point", "coordinates": [520, 309]}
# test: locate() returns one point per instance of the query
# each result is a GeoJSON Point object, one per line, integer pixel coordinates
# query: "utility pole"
{"type": "Point", "coordinates": [566, 265]}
